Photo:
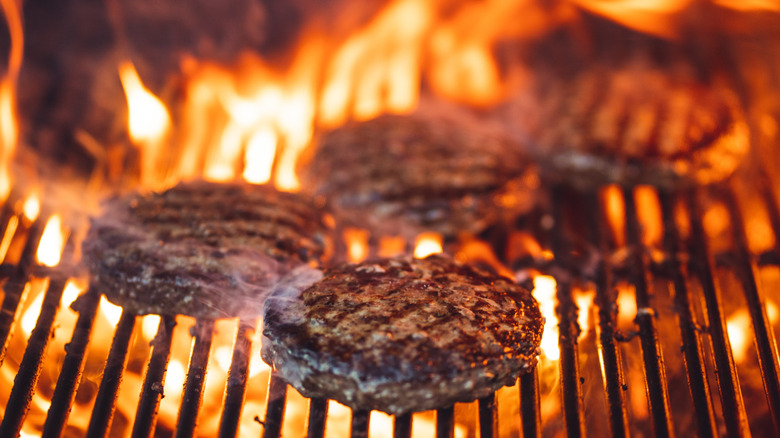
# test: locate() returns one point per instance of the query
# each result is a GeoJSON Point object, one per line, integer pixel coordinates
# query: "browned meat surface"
{"type": "Point", "coordinates": [634, 124]}
{"type": "Point", "coordinates": [400, 175]}
{"type": "Point", "coordinates": [402, 335]}
{"type": "Point", "coordinates": [202, 249]}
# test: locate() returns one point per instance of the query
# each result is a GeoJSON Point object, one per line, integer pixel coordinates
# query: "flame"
{"type": "Point", "coordinates": [357, 244]}
{"type": "Point", "coordinates": [626, 301]}
{"type": "Point", "coordinates": [749, 5]}
{"type": "Point", "coordinates": [30, 316]}
{"type": "Point", "coordinates": [649, 209]}
{"type": "Point", "coordinates": [9, 126]}
{"type": "Point", "coordinates": [8, 236]}
{"type": "Point", "coordinates": [148, 121]}
{"type": "Point", "coordinates": [52, 242]}
{"type": "Point", "coordinates": [659, 17]}
{"type": "Point", "coordinates": [73, 288]}
{"type": "Point", "coordinates": [31, 207]}
{"type": "Point", "coordinates": [149, 325]}
{"type": "Point", "coordinates": [584, 301]}
{"type": "Point", "coordinates": [544, 292]}
{"type": "Point", "coordinates": [391, 246]}
{"type": "Point", "coordinates": [738, 326]}
{"type": "Point", "coordinates": [616, 213]}
{"type": "Point", "coordinates": [427, 244]}
{"type": "Point", "coordinates": [110, 311]}
{"type": "Point", "coordinates": [259, 157]}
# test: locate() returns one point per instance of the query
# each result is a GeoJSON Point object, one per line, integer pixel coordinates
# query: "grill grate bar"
{"type": "Point", "coordinates": [609, 353]}
{"type": "Point", "coordinates": [445, 422]}
{"type": "Point", "coordinates": [318, 413]}
{"type": "Point", "coordinates": [196, 375]}
{"type": "Point", "coordinates": [568, 328]}
{"type": "Point", "coordinates": [403, 426]}
{"type": "Point", "coordinates": [746, 272]}
{"type": "Point", "coordinates": [530, 416]}
{"type": "Point", "coordinates": [488, 417]}
{"type": "Point", "coordinates": [72, 365]}
{"type": "Point", "coordinates": [105, 402]}
{"type": "Point", "coordinates": [692, 346]}
{"type": "Point", "coordinates": [274, 412]}
{"type": "Point", "coordinates": [360, 422]}
{"type": "Point", "coordinates": [700, 265]}
{"type": "Point", "coordinates": [14, 287]}
{"type": "Point", "coordinates": [152, 391]}
{"type": "Point", "coordinates": [236, 383]}
{"type": "Point", "coordinates": [655, 376]}
{"type": "Point", "coordinates": [30, 366]}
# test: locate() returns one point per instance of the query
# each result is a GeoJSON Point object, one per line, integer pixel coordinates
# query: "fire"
{"type": "Point", "coordinates": [9, 127]}
{"type": "Point", "coordinates": [738, 326]}
{"type": "Point", "coordinates": [584, 301]}
{"type": "Point", "coordinates": [31, 207]}
{"type": "Point", "coordinates": [110, 311]}
{"type": "Point", "coordinates": [148, 120]}
{"type": "Point", "coordinates": [616, 213]}
{"type": "Point", "coordinates": [357, 244]}
{"type": "Point", "coordinates": [749, 5]}
{"type": "Point", "coordinates": [660, 17]}
{"type": "Point", "coordinates": [544, 292]}
{"type": "Point", "coordinates": [427, 244]}
{"type": "Point", "coordinates": [8, 236]}
{"type": "Point", "coordinates": [73, 288]}
{"type": "Point", "coordinates": [52, 242]}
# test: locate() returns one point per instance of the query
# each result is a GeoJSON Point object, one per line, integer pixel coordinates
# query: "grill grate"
{"type": "Point", "coordinates": [718, 405]}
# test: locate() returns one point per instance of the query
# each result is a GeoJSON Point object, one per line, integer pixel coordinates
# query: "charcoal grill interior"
{"type": "Point", "coordinates": [672, 369]}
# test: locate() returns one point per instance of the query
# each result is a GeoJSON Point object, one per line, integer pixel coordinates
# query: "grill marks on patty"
{"type": "Point", "coordinates": [397, 174]}
{"type": "Point", "coordinates": [635, 124]}
{"type": "Point", "coordinates": [403, 335]}
{"type": "Point", "coordinates": [203, 249]}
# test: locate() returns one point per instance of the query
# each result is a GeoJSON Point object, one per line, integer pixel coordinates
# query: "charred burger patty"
{"type": "Point", "coordinates": [402, 335]}
{"type": "Point", "coordinates": [202, 249]}
{"type": "Point", "coordinates": [399, 175]}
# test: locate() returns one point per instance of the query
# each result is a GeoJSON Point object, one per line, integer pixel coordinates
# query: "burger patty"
{"type": "Point", "coordinates": [202, 249]}
{"type": "Point", "coordinates": [402, 335]}
{"type": "Point", "coordinates": [635, 124]}
{"type": "Point", "coordinates": [400, 175]}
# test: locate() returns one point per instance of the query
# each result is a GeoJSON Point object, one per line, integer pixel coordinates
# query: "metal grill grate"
{"type": "Point", "coordinates": [690, 269]}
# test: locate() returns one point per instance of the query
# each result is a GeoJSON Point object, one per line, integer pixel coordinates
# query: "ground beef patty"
{"type": "Point", "coordinates": [400, 175]}
{"type": "Point", "coordinates": [202, 249]}
{"type": "Point", "coordinates": [402, 335]}
{"type": "Point", "coordinates": [634, 124]}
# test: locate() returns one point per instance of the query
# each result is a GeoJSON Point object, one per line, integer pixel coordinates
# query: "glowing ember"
{"type": "Point", "coordinates": [427, 244]}
{"type": "Point", "coordinates": [357, 244]}
{"type": "Point", "coordinates": [544, 292]}
{"type": "Point", "coordinates": [31, 207]}
{"type": "Point", "coordinates": [52, 242]}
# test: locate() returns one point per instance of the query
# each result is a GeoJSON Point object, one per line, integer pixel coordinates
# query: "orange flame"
{"type": "Point", "coordinates": [148, 121]}
{"type": "Point", "coordinates": [357, 244]}
{"type": "Point", "coordinates": [544, 292]}
{"type": "Point", "coordinates": [52, 242]}
{"type": "Point", "coordinates": [427, 244]}
{"type": "Point", "coordinates": [584, 301]}
{"type": "Point", "coordinates": [9, 127]}
{"type": "Point", "coordinates": [31, 207]}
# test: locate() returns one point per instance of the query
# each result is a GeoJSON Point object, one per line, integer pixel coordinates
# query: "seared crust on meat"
{"type": "Point", "coordinates": [400, 175]}
{"type": "Point", "coordinates": [403, 335]}
{"type": "Point", "coordinates": [202, 249]}
{"type": "Point", "coordinates": [636, 124]}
